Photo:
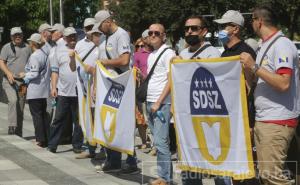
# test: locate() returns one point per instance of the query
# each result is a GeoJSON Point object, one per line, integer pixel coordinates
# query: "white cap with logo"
{"type": "Point", "coordinates": [35, 38]}
{"type": "Point", "coordinates": [101, 16]}
{"type": "Point", "coordinates": [69, 31]}
{"type": "Point", "coordinates": [15, 30]}
{"type": "Point", "coordinates": [231, 16]}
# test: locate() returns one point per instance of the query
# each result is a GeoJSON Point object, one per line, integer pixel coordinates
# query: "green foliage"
{"type": "Point", "coordinates": [136, 16]}
{"type": "Point", "coordinates": [29, 14]}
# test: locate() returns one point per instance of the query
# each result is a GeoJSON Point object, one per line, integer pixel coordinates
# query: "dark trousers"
{"type": "Point", "coordinates": [114, 158]}
{"type": "Point", "coordinates": [64, 106]}
{"type": "Point", "coordinates": [38, 112]}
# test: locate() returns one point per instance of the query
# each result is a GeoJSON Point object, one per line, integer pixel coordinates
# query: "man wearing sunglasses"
{"type": "Point", "coordinates": [158, 101]}
{"type": "Point", "coordinates": [195, 30]}
{"type": "Point", "coordinates": [276, 96]}
{"type": "Point", "coordinates": [13, 58]}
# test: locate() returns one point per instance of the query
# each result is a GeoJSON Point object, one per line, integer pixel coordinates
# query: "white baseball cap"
{"type": "Point", "coordinates": [94, 30]}
{"type": "Point", "coordinates": [57, 27]}
{"type": "Point", "coordinates": [43, 27]}
{"type": "Point", "coordinates": [35, 38]}
{"type": "Point", "coordinates": [69, 31]}
{"type": "Point", "coordinates": [231, 16]}
{"type": "Point", "coordinates": [15, 30]}
{"type": "Point", "coordinates": [145, 33]}
{"type": "Point", "coordinates": [88, 22]}
{"type": "Point", "coordinates": [101, 16]}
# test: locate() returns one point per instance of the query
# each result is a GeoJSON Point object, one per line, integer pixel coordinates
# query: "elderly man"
{"type": "Point", "coordinates": [13, 58]}
{"type": "Point", "coordinates": [276, 95]}
{"type": "Point", "coordinates": [65, 80]}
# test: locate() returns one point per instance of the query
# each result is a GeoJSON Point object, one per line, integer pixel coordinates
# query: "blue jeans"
{"type": "Point", "coordinates": [160, 131]}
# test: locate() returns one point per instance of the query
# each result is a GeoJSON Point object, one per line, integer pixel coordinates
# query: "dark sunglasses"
{"type": "Point", "coordinates": [223, 26]}
{"type": "Point", "coordinates": [156, 33]}
{"type": "Point", "coordinates": [139, 46]}
{"type": "Point", "coordinates": [193, 28]}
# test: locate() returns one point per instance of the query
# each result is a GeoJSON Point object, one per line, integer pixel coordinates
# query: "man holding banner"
{"type": "Point", "coordinates": [116, 59]}
{"type": "Point", "coordinates": [276, 96]}
{"type": "Point", "coordinates": [195, 31]}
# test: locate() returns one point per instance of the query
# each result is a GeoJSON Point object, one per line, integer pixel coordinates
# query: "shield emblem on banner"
{"type": "Point", "coordinates": [109, 109]}
{"type": "Point", "coordinates": [108, 120]}
{"type": "Point", "coordinates": [210, 117]}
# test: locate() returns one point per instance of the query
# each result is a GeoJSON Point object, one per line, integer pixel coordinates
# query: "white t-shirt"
{"type": "Point", "coordinates": [66, 78]}
{"type": "Point", "coordinates": [209, 52]}
{"type": "Point", "coordinates": [271, 104]}
{"type": "Point", "coordinates": [159, 77]}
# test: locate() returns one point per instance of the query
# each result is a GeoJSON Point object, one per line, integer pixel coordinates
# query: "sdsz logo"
{"type": "Point", "coordinates": [110, 108]}
{"type": "Point", "coordinates": [209, 116]}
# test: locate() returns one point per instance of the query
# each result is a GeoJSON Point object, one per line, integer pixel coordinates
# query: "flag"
{"type": "Point", "coordinates": [211, 119]}
{"type": "Point", "coordinates": [84, 101]}
{"type": "Point", "coordinates": [115, 109]}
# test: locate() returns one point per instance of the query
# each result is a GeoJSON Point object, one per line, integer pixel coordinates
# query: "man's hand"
{"type": "Point", "coordinates": [21, 75]}
{"type": "Point", "coordinates": [176, 58]}
{"type": "Point", "coordinates": [247, 60]}
{"type": "Point", "coordinates": [10, 77]}
{"type": "Point", "coordinates": [155, 107]}
{"type": "Point", "coordinates": [54, 92]}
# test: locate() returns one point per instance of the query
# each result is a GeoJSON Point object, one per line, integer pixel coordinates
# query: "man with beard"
{"type": "Point", "coordinates": [195, 30]}
{"type": "Point", "coordinates": [66, 96]}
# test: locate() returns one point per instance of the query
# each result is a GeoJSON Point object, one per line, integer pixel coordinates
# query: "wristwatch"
{"type": "Point", "coordinates": [254, 68]}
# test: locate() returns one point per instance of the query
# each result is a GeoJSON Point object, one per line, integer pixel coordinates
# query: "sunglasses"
{"type": "Point", "coordinates": [139, 46]}
{"type": "Point", "coordinates": [193, 28]}
{"type": "Point", "coordinates": [223, 26]}
{"type": "Point", "coordinates": [156, 33]}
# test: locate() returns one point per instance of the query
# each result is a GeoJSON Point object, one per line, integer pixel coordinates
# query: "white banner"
{"type": "Point", "coordinates": [115, 110]}
{"type": "Point", "coordinates": [84, 101]}
{"type": "Point", "coordinates": [211, 118]}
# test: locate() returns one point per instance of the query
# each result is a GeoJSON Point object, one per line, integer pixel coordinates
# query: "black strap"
{"type": "Point", "coordinates": [200, 50]}
{"type": "Point", "coordinates": [118, 70]}
{"type": "Point", "coordinates": [88, 53]}
{"type": "Point", "coordinates": [44, 67]}
{"type": "Point", "coordinates": [261, 60]}
{"type": "Point", "coordinates": [154, 65]}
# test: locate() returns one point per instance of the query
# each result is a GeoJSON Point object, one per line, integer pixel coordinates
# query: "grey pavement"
{"type": "Point", "coordinates": [22, 162]}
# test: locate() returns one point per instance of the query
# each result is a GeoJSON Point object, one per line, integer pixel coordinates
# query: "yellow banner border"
{"type": "Point", "coordinates": [251, 173]}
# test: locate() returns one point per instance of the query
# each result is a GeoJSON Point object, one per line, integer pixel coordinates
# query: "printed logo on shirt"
{"type": "Point", "coordinates": [283, 60]}
{"type": "Point", "coordinates": [209, 116]}
{"type": "Point", "coordinates": [109, 110]}
{"type": "Point", "coordinates": [125, 47]}
{"type": "Point", "coordinates": [109, 47]}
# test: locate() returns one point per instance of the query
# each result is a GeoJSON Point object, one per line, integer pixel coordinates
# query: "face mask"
{"type": "Point", "coordinates": [192, 39]}
{"type": "Point", "coordinates": [223, 36]}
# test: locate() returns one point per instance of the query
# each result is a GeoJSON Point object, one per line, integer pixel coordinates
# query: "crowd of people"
{"type": "Point", "coordinates": [44, 71]}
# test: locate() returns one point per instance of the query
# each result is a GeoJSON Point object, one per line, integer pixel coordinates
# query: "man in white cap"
{"type": "Point", "coordinates": [57, 34]}
{"type": "Point", "coordinates": [44, 30]}
{"type": "Point", "coordinates": [116, 58]}
{"type": "Point", "coordinates": [13, 58]}
{"type": "Point", "coordinates": [231, 25]}
{"type": "Point", "coordinates": [64, 80]}
{"type": "Point", "coordinates": [37, 78]}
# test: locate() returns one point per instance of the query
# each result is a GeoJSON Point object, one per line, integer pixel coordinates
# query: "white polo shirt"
{"type": "Point", "coordinates": [66, 78]}
{"type": "Point", "coordinates": [159, 77]}
{"type": "Point", "coordinates": [209, 52]}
